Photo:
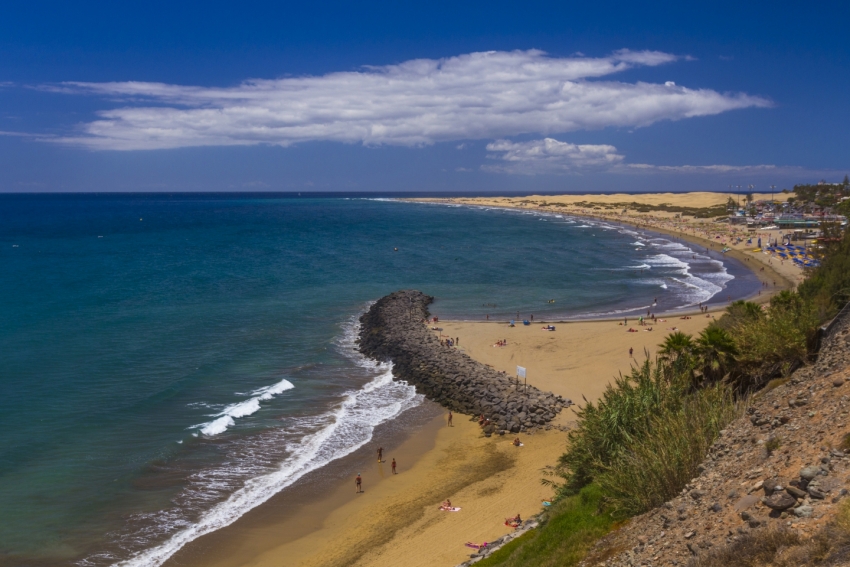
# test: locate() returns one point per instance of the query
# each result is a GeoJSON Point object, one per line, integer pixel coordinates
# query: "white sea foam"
{"type": "Point", "coordinates": [226, 418]}
{"type": "Point", "coordinates": [693, 289]}
{"type": "Point", "coordinates": [638, 243]}
{"type": "Point", "coordinates": [343, 430]}
{"type": "Point", "coordinates": [622, 311]}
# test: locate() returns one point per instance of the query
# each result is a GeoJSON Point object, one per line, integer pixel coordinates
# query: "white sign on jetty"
{"type": "Point", "coordinates": [520, 371]}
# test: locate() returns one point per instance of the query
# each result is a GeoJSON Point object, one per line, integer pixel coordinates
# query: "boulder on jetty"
{"type": "Point", "coordinates": [395, 330]}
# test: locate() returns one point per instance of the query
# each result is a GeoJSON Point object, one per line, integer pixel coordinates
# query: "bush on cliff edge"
{"type": "Point", "coordinates": [643, 440]}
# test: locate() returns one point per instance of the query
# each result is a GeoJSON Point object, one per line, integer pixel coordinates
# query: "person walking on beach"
{"type": "Point", "coordinates": [631, 352]}
{"type": "Point", "coordinates": [358, 482]}
{"type": "Point", "coordinates": [450, 419]}
{"type": "Point", "coordinates": [380, 454]}
{"type": "Point", "coordinates": [393, 466]}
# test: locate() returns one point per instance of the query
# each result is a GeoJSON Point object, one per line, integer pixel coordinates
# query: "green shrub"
{"type": "Point", "coordinates": [644, 439]}
{"type": "Point", "coordinates": [773, 444]}
{"type": "Point", "coordinates": [574, 525]}
{"type": "Point", "coordinates": [655, 466]}
{"type": "Point", "coordinates": [828, 287]}
{"type": "Point", "coordinates": [625, 412]}
{"type": "Point", "coordinates": [776, 344]}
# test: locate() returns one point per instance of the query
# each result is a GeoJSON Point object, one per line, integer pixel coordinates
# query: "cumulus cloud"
{"type": "Point", "coordinates": [550, 156]}
{"type": "Point", "coordinates": [475, 96]}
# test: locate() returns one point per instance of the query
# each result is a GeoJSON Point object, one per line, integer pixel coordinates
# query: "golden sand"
{"type": "Point", "coordinates": [577, 359]}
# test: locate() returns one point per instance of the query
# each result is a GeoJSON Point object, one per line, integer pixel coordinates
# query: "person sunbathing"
{"type": "Point", "coordinates": [517, 442]}
{"type": "Point", "coordinates": [475, 545]}
{"type": "Point", "coordinates": [514, 522]}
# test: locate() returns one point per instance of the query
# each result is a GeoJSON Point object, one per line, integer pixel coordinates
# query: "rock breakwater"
{"type": "Point", "coordinates": [394, 330]}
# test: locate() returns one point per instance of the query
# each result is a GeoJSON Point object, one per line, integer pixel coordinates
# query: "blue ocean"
{"type": "Point", "coordinates": [169, 362]}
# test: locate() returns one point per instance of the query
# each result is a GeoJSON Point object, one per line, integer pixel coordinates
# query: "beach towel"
{"type": "Point", "coordinates": [452, 509]}
{"type": "Point", "coordinates": [475, 545]}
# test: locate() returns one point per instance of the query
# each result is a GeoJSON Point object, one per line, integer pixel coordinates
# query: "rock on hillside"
{"type": "Point", "coordinates": [395, 330]}
{"type": "Point", "coordinates": [780, 464]}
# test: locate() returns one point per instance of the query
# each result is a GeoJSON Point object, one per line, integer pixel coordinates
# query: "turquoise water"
{"type": "Point", "coordinates": [169, 362]}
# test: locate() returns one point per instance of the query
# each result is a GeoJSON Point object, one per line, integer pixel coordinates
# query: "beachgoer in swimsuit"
{"type": "Point", "coordinates": [380, 454]}
{"type": "Point", "coordinates": [358, 482]}
{"type": "Point", "coordinates": [393, 466]}
{"type": "Point", "coordinates": [450, 419]}
{"type": "Point", "coordinates": [631, 351]}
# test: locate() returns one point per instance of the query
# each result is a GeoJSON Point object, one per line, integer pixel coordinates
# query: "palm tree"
{"type": "Point", "coordinates": [715, 351]}
{"type": "Point", "coordinates": [675, 346]}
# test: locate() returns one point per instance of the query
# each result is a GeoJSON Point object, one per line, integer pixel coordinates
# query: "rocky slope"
{"type": "Point", "coordinates": [394, 329]}
{"type": "Point", "coordinates": [781, 464]}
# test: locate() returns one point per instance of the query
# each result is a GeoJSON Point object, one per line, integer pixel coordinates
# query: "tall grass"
{"type": "Point", "coordinates": [642, 442]}
{"type": "Point", "coordinates": [624, 413]}
{"type": "Point", "coordinates": [654, 467]}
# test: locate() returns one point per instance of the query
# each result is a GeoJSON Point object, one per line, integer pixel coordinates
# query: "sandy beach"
{"type": "Point", "coordinates": [578, 359]}
{"type": "Point", "coordinates": [395, 522]}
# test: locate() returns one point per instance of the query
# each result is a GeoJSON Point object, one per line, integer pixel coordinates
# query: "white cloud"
{"type": "Point", "coordinates": [550, 156]}
{"type": "Point", "coordinates": [474, 96]}
{"type": "Point", "coordinates": [703, 168]}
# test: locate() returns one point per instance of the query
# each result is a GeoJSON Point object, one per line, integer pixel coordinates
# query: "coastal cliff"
{"type": "Point", "coordinates": [775, 477]}
{"type": "Point", "coordinates": [394, 330]}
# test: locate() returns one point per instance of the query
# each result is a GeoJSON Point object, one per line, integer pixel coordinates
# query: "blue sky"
{"type": "Point", "coordinates": [483, 96]}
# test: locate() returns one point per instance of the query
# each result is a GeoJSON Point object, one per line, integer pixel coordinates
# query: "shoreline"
{"type": "Point", "coordinates": [399, 525]}
{"type": "Point", "coordinates": [769, 275]}
{"type": "Point", "coordinates": [396, 522]}
{"type": "Point", "coordinates": [396, 518]}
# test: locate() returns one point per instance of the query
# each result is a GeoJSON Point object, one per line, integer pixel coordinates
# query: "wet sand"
{"type": "Point", "coordinates": [395, 521]}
